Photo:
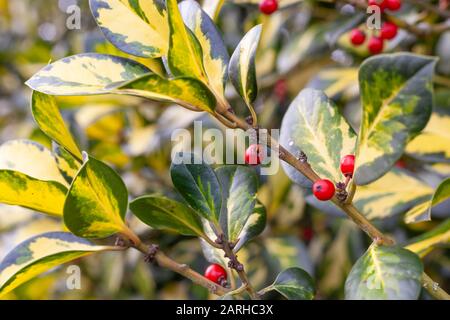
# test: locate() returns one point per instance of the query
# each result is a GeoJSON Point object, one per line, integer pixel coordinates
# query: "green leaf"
{"type": "Point", "coordinates": [138, 27]}
{"type": "Point", "coordinates": [164, 213]}
{"type": "Point", "coordinates": [215, 54]}
{"type": "Point", "coordinates": [17, 188]}
{"type": "Point", "coordinates": [422, 212]}
{"type": "Point", "coordinates": [385, 273]}
{"type": "Point", "coordinates": [199, 186]}
{"type": "Point", "coordinates": [397, 98]}
{"type": "Point", "coordinates": [425, 243]}
{"type": "Point", "coordinates": [185, 91]}
{"type": "Point", "coordinates": [239, 185]}
{"type": "Point", "coordinates": [293, 284]}
{"type": "Point", "coordinates": [85, 74]}
{"type": "Point", "coordinates": [49, 119]}
{"type": "Point", "coordinates": [30, 158]}
{"type": "Point", "coordinates": [97, 202]}
{"type": "Point", "coordinates": [314, 125]}
{"type": "Point", "coordinates": [40, 254]}
{"type": "Point", "coordinates": [253, 227]}
{"type": "Point", "coordinates": [242, 65]}
{"type": "Point", "coordinates": [185, 56]}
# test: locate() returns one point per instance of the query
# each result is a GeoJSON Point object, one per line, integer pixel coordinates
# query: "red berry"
{"type": "Point", "coordinates": [401, 164]}
{"type": "Point", "coordinates": [348, 165]}
{"type": "Point", "coordinates": [357, 37]}
{"type": "Point", "coordinates": [388, 30]}
{"type": "Point", "coordinates": [393, 5]}
{"type": "Point", "coordinates": [323, 189]}
{"type": "Point", "coordinates": [216, 274]}
{"type": "Point", "coordinates": [253, 154]}
{"type": "Point", "coordinates": [280, 89]}
{"type": "Point", "coordinates": [308, 234]}
{"type": "Point", "coordinates": [375, 45]}
{"type": "Point", "coordinates": [379, 3]}
{"type": "Point", "coordinates": [268, 6]}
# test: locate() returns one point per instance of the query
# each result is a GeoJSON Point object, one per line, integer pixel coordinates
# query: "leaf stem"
{"type": "Point", "coordinates": [433, 288]}
{"type": "Point", "coordinates": [164, 261]}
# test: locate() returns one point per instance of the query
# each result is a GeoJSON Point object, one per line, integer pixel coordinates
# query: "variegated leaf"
{"type": "Point", "coordinates": [392, 194]}
{"type": "Point", "coordinates": [212, 8]}
{"type": "Point", "coordinates": [309, 44]}
{"type": "Point", "coordinates": [199, 186]}
{"type": "Point", "coordinates": [242, 65]}
{"type": "Point", "coordinates": [19, 189]}
{"type": "Point", "coordinates": [31, 159]}
{"type": "Point", "coordinates": [97, 202]}
{"type": "Point", "coordinates": [336, 81]}
{"type": "Point", "coordinates": [85, 74]}
{"type": "Point", "coordinates": [164, 213]}
{"type": "Point", "coordinates": [49, 119]}
{"type": "Point", "coordinates": [215, 54]}
{"type": "Point", "coordinates": [385, 273]}
{"type": "Point", "coordinates": [185, 56]}
{"type": "Point", "coordinates": [40, 254]}
{"type": "Point", "coordinates": [397, 97]}
{"type": "Point", "coordinates": [433, 143]}
{"type": "Point", "coordinates": [239, 185]}
{"type": "Point", "coordinates": [314, 125]}
{"type": "Point", "coordinates": [138, 27]}
{"type": "Point", "coordinates": [293, 284]}
{"type": "Point", "coordinates": [253, 227]}
{"type": "Point", "coordinates": [185, 91]}
{"type": "Point", "coordinates": [422, 212]}
{"type": "Point", "coordinates": [67, 164]}
{"type": "Point", "coordinates": [425, 243]}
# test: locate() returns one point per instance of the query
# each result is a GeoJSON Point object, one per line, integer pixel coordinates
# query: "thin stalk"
{"type": "Point", "coordinates": [164, 261]}
{"type": "Point", "coordinates": [433, 288]}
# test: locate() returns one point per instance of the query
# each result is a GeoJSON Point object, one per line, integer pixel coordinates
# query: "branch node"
{"type": "Point", "coordinates": [152, 251]}
{"type": "Point", "coordinates": [302, 157]}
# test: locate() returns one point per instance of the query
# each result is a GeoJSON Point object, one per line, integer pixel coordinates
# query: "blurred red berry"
{"type": "Point", "coordinates": [268, 6]}
{"type": "Point", "coordinates": [375, 45]}
{"type": "Point", "coordinates": [216, 274]}
{"type": "Point", "coordinates": [388, 30]}
{"type": "Point", "coordinates": [253, 154]}
{"type": "Point", "coordinates": [379, 3]}
{"type": "Point", "coordinates": [280, 89]}
{"type": "Point", "coordinates": [308, 234]}
{"type": "Point", "coordinates": [401, 164]}
{"type": "Point", "coordinates": [323, 189]}
{"type": "Point", "coordinates": [393, 5]}
{"type": "Point", "coordinates": [348, 165]}
{"type": "Point", "coordinates": [357, 37]}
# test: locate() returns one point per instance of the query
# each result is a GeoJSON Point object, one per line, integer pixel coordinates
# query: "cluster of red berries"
{"type": "Point", "coordinates": [268, 6]}
{"type": "Point", "coordinates": [388, 30]}
{"type": "Point", "coordinates": [217, 274]}
{"type": "Point", "coordinates": [324, 189]}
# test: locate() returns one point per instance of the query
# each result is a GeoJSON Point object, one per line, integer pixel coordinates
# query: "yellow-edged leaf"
{"type": "Point", "coordinates": [138, 27]}
{"type": "Point", "coordinates": [422, 212]}
{"type": "Point", "coordinates": [41, 253]}
{"type": "Point", "coordinates": [19, 189]}
{"type": "Point", "coordinates": [49, 119]}
{"type": "Point", "coordinates": [31, 159]}
{"type": "Point", "coordinates": [185, 91]}
{"type": "Point", "coordinates": [97, 202]}
{"type": "Point", "coordinates": [215, 54]}
{"type": "Point", "coordinates": [425, 243]}
{"type": "Point", "coordinates": [185, 57]}
{"type": "Point", "coordinates": [85, 74]}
